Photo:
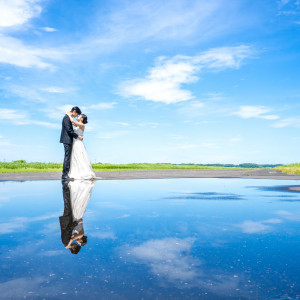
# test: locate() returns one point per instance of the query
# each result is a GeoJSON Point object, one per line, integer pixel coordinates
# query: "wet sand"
{"type": "Point", "coordinates": [160, 174]}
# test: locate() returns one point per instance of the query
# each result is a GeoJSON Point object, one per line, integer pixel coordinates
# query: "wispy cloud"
{"type": "Point", "coordinates": [112, 134]}
{"type": "Point", "coordinates": [164, 81]}
{"type": "Point", "coordinates": [195, 20]}
{"type": "Point", "coordinates": [235, 139]}
{"type": "Point", "coordinates": [291, 216]}
{"type": "Point", "coordinates": [58, 112]}
{"type": "Point", "coordinates": [102, 105]}
{"type": "Point", "coordinates": [49, 29]}
{"type": "Point", "coordinates": [258, 226]}
{"type": "Point", "coordinates": [20, 223]}
{"type": "Point", "coordinates": [22, 118]}
{"type": "Point", "coordinates": [293, 122]}
{"type": "Point", "coordinates": [11, 114]}
{"type": "Point", "coordinates": [149, 124]}
{"type": "Point", "coordinates": [258, 111]}
{"type": "Point", "coordinates": [254, 227]}
{"type": "Point", "coordinates": [14, 52]}
{"type": "Point", "coordinates": [103, 235]}
{"type": "Point", "coordinates": [54, 89]}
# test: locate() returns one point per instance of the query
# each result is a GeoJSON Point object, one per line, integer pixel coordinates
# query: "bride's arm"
{"type": "Point", "coordinates": [77, 124]}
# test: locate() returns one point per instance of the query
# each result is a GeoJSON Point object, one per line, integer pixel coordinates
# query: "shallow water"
{"type": "Point", "coordinates": [154, 239]}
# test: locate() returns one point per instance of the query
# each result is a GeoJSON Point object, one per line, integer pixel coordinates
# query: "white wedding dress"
{"type": "Point", "coordinates": [80, 166]}
{"type": "Point", "coordinates": [80, 194]}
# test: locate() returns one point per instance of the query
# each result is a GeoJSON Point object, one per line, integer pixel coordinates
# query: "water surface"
{"type": "Point", "coordinates": [153, 239]}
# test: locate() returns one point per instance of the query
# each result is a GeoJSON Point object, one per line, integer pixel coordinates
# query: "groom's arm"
{"type": "Point", "coordinates": [69, 128]}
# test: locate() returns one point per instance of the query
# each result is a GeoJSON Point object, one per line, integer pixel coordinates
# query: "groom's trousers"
{"type": "Point", "coordinates": [66, 166]}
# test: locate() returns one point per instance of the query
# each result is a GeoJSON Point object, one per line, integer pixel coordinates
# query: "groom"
{"type": "Point", "coordinates": [67, 135]}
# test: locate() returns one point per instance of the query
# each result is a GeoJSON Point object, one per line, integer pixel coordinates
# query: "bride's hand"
{"type": "Point", "coordinates": [68, 113]}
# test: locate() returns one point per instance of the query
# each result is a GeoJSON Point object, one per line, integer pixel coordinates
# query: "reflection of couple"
{"type": "Point", "coordinates": [76, 196]}
{"type": "Point", "coordinates": [76, 163]}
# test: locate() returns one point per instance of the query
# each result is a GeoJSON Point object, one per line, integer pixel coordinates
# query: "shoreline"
{"type": "Point", "coordinates": [160, 174]}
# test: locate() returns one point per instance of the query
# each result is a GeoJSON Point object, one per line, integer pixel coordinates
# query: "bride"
{"type": "Point", "coordinates": [80, 167]}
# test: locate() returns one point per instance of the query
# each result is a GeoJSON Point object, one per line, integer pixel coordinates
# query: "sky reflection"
{"type": "Point", "coordinates": [146, 239]}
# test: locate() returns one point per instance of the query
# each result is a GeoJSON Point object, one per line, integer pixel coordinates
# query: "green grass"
{"type": "Point", "coordinates": [290, 169]}
{"type": "Point", "coordinates": [22, 166]}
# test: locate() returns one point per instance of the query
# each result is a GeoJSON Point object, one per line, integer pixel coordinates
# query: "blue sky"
{"type": "Point", "coordinates": [179, 81]}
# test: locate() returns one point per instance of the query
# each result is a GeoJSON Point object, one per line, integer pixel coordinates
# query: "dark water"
{"type": "Point", "coordinates": [154, 239]}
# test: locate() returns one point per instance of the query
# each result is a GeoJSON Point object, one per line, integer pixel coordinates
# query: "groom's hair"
{"type": "Point", "coordinates": [77, 109]}
{"type": "Point", "coordinates": [75, 249]}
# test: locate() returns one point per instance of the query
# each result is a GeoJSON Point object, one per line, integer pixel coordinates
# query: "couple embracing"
{"type": "Point", "coordinates": [76, 162]}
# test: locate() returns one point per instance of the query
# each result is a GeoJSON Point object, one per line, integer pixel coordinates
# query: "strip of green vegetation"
{"type": "Point", "coordinates": [21, 166]}
{"type": "Point", "coordinates": [290, 169]}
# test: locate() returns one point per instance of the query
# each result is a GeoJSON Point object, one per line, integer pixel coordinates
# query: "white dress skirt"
{"type": "Point", "coordinates": [80, 166]}
{"type": "Point", "coordinates": [80, 194]}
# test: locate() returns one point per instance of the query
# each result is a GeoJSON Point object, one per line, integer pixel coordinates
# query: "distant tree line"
{"type": "Point", "coordinates": [243, 165]}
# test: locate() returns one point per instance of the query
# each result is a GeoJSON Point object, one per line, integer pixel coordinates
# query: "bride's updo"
{"type": "Point", "coordinates": [84, 118]}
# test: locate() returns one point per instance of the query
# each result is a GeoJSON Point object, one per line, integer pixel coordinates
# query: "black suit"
{"type": "Point", "coordinates": [66, 221]}
{"type": "Point", "coordinates": [66, 137]}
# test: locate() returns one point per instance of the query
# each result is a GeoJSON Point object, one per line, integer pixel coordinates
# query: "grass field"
{"type": "Point", "coordinates": [290, 169]}
{"type": "Point", "coordinates": [21, 166]}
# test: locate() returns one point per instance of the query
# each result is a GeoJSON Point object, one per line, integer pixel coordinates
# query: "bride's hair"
{"type": "Point", "coordinates": [84, 117]}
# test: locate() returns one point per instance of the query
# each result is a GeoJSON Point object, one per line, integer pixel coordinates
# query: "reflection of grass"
{"type": "Point", "coordinates": [22, 166]}
{"type": "Point", "coordinates": [290, 169]}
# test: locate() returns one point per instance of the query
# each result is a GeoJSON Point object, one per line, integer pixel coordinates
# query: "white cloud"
{"type": "Point", "coordinates": [236, 139]}
{"type": "Point", "coordinates": [103, 235]}
{"type": "Point", "coordinates": [273, 221]}
{"type": "Point", "coordinates": [170, 260]}
{"type": "Point", "coordinates": [10, 114]}
{"type": "Point", "coordinates": [210, 145]}
{"type": "Point", "coordinates": [195, 20]}
{"type": "Point", "coordinates": [22, 118]}
{"type": "Point", "coordinates": [54, 89]}
{"type": "Point", "coordinates": [18, 287]}
{"type": "Point", "coordinates": [177, 137]}
{"type": "Point", "coordinates": [164, 81]}
{"type": "Point", "coordinates": [122, 124]}
{"type": "Point", "coordinates": [102, 105]}
{"type": "Point", "coordinates": [282, 3]}
{"type": "Point", "coordinates": [248, 111]}
{"type": "Point", "coordinates": [44, 124]}
{"type": "Point", "coordinates": [259, 226]}
{"type": "Point", "coordinates": [291, 216]}
{"type": "Point", "coordinates": [58, 112]}
{"type": "Point", "coordinates": [187, 146]}
{"type": "Point", "coordinates": [20, 223]}
{"type": "Point", "coordinates": [18, 12]}
{"type": "Point", "coordinates": [149, 124]}
{"type": "Point", "coordinates": [294, 122]}
{"type": "Point", "coordinates": [254, 227]}
{"type": "Point", "coordinates": [165, 258]}
{"type": "Point", "coordinates": [49, 29]}
{"type": "Point", "coordinates": [25, 92]}
{"type": "Point", "coordinates": [14, 52]}
{"type": "Point", "coordinates": [112, 134]}
{"type": "Point", "coordinates": [15, 13]}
